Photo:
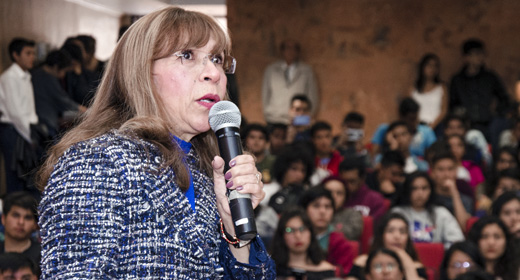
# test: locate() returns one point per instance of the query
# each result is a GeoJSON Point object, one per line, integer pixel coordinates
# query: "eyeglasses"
{"type": "Point", "coordinates": [190, 58]}
{"type": "Point", "coordinates": [378, 267]}
{"type": "Point", "coordinates": [459, 265]}
{"type": "Point", "coordinates": [291, 230]}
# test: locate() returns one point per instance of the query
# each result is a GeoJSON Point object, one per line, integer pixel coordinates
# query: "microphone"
{"type": "Point", "coordinates": [225, 119]}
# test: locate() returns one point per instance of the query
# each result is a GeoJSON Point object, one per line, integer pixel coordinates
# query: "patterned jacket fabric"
{"type": "Point", "coordinates": [110, 211]}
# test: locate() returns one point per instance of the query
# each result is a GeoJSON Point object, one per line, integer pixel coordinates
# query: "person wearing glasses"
{"type": "Point", "coordinates": [384, 264]}
{"type": "Point", "coordinates": [296, 250]}
{"type": "Point", "coordinates": [136, 190]}
{"type": "Point", "coordinates": [460, 258]}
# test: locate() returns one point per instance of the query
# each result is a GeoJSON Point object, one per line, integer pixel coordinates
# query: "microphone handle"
{"type": "Point", "coordinates": [229, 145]}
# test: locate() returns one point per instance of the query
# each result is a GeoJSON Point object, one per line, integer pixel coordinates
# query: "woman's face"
{"type": "Point", "coordinates": [510, 215]}
{"type": "Point", "coordinates": [396, 234]}
{"type": "Point", "coordinates": [320, 212]}
{"type": "Point", "coordinates": [431, 68]}
{"type": "Point", "coordinates": [459, 263]}
{"type": "Point", "coordinates": [295, 174]}
{"type": "Point", "coordinates": [457, 147]}
{"type": "Point", "coordinates": [384, 267]}
{"type": "Point", "coordinates": [338, 192]}
{"type": "Point", "coordinates": [492, 244]}
{"type": "Point", "coordinates": [420, 194]}
{"type": "Point", "coordinates": [505, 161]}
{"type": "Point", "coordinates": [189, 92]}
{"type": "Point", "coordinates": [506, 184]}
{"type": "Point", "coordinates": [297, 237]}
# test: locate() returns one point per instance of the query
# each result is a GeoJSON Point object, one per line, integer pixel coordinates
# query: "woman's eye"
{"type": "Point", "coordinates": [186, 55]}
{"type": "Point", "coordinates": [217, 59]}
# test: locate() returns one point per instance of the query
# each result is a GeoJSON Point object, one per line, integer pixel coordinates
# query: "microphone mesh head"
{"type": "Point", "coordinates": [224, 114]}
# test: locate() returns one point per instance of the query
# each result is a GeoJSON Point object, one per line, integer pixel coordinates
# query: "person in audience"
{"type": "Point", "coordinates": [17, 107]}
{"type": "Point", "coordinates": [326, 157]}
{"type": "Point", "coordinates": [448, 194]}
{"type": "Point", "coordinates": [511, 137]}
{"type": "Point", "coordinates": [299, 125]}
{"type": "Point", "coordinates": [389, 176]}
{"type": "Point", "coordinates": [50, 99]}
{"type": "Point", "coordinates": [507, 208]}
{"type": "Point", "coordinates": [503, 181]}
{"type": "Point", "coordinates": [75, 81]}
{"type": "Point", "coordinates": [428, 222]}
{"type": "Point", "coordinates": [384, 264]}
{"type": "Point", "coordinates": [392, 233]}
{"type": "Point", "coordinates": [398, 138]}
{"type": "Point", "coordinates": [362, 198]}
{"type": "Point", "coordinates": [16, 266]}
{"type": "Point", "coordinates": [256, 140]}
{"type": "Point", "coordinates": [430, 92]}
{"type": "Point", "coordinates": [346, 220]}
{"type": "Point", "coordinates": [295, 249]}
{"type": "Point", "coordinates": [19, 218]}
{"type": "Point", "coordinates": [93, 67]}
{"type": "Point", "coordinates": [422, 135]}
{"type": "Point", "coordinates": [505, 158]}
{"type": "Point", "coordinates": [285, 78]}
{"type": "Point", "coordinates": [496, 247]}
{"type": "Point", "coordinates": [291, 172]}
{"type": "Point", "coordinates": [349, 142]}
{"type": "Point", "coordinates": [277, 136]}
{"type": "Point", "coordinates": [460, 258]}
{"type": "Point", "coordinates": [466, 170]}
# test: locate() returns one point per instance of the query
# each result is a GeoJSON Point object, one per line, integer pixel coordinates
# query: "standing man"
{"type": "Point", "coordinates": [285, 78]}
{"type": "Point", "coordinates": [17, 106]}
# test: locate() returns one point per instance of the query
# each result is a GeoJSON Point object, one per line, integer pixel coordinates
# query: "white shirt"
{"type": "Point", "coordinates": [17, 100]}
{"type": "Point", "coordinates": [430, 103]}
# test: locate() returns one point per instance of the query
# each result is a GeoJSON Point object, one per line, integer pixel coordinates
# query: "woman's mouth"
{"type": "Point", "coordinates": [208, 100]}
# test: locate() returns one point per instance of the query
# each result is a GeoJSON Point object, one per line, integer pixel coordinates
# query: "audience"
{"type": "Point", "coordinates": [15, 266]}
{"type": "Point", "coordinates": [349, 142]}
{"type": "Point", "coordinates": [277, 136]}
{"type": "Point", "coordinates": [460, 258]}
{"type": "Point", "coordinates": [326, 157]}
{"type": "Point", "coordinates": [255, 139]}
{"type": "Point", "coordinates": [384, 264]}
{"type": "Point", "coordinates": [298, 129]}
{"type": "Point", "coordinates": [389, 176]}
{"type": "Point", "coordinates": [507, 208]}
{"type": "Point", "coordinates": [467, 170]}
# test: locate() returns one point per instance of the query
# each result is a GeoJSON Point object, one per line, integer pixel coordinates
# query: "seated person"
{"type": "Point", "coordinates": [507, 208]}
{"type": "Point", "coordinates": [277, 136]}
{"type": "Point", "coordinates": [384, 264]}
{"type": "Point", "coordinates": [503, 181]}
{"type": "Point", "coordinates": [346, 220]}
{"type": "Point", "coordinates": [428, 222]}
{"type": "Point", "coordinates": [467, 170]}
{"type": "Point", "coordinates": [511, 137]}
{"type": "Point", "coordinates": [349, 142]}
{"type": "Point", "coordinates": [392, 233]}
{"type": "Point", "coordinates": [362, 198]}
{"type": "Point", "coordinates": [295, 249]}
{"type": "Point", "coordinates": [398, 138]}
{"type": "Point", "coordinates": [460, 258]}
{"type": "Point", "coordinates": [422, 135]}
{"type": "Point", "coordinates": [319, 206]}
{"type": "Point", "coordinates": [19, 218]}
{"type": "Point", "coordinates": [326, 157]}
{"type": "Point", "coordinates": [444, 175]}
{"type": "Point", "coordinates": [505, 158]}
{"type": "Point", "coordinates": [389, 176]}
{"type": "Point", "coordinates": [300, 119]}
{"type": "Point", "coordinates": [256, 140]}
{"type": "Point", "coordinates": [16, 266]}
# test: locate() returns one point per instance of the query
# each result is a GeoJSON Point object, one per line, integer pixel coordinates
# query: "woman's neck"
{"type": "Point", "coordinates": [417, 208]}
{"type": "Point", "coordinates": [490, 267]}
{"type": "Point", "coordinates": [297, 259]}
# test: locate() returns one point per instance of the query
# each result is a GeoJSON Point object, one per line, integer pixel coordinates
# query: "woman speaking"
{"type": "Point", "coordinates": [136, 190]}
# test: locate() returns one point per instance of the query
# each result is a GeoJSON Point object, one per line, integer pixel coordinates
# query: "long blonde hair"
{"type": "Point", "coordinates": [126, 99]}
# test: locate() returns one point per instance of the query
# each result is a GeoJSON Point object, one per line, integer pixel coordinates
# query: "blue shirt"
{"type": "Point", "coordinates": [423, 138]}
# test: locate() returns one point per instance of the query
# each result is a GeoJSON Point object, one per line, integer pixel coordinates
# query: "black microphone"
{"type": "Point", "coordinates": [225, 119]}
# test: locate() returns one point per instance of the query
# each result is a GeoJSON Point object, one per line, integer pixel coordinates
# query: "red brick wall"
{"type": "Point", "coordinates": [364, 52]}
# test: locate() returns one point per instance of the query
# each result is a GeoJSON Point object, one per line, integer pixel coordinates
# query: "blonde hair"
{"type": "Point", "coordinates": [126, 99]}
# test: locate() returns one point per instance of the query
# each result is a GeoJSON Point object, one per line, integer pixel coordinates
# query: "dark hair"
{"type": "Point", "coordinates": [314, 193]}
{"type": "Point", "coordinates": [461, 118]}
{"type": "Point", "coordinates": [442, 155]}
{"type": "Point", "coordinates": [89, 43]}
{"type": "Point", "coordinates": [291, 154]}
{"type": "Point", "coordinates": [21, 199]}
{"type": "Point", "coordinates": [438, 147]}
{"type": "Point", "coordinates": [392, 158]}
{"type": "Point", "coordinates": [254, 127]}
{"type": "Point", "coordinates": [353, 163]}
{"type": "Point", "coordinates": [279, 250]}
{"type": "Point", "coordinates": [503, 199]}
{"type": "Point", "coordinates": [384, 251]}
{"type": "Point", "coordinates": [380, 231]}
{"type": "Point", "coordinates": [354, 117]}
{"type": "Point", "coordinates": [491, 185]}
{"type": "Point", "coordinates": [508, 150]}
{"type": "Point", "coordinates": [319, 125]}
{"type": "Point", "coordinates": [419, 83]}
{"type": "Point", "coordinates": [74, 51]}
{"type": "Point", "coordinates": [274, 126]}
{"type": "Point", "coordinates": [507, 264]}
{"type": "Point", "coordinates": [405, 198]}
{"type": "Point", "coordinates": [302, 98]}
{"type": "Point", "coordinates": [59, 58]}
{"type": "Point", "coordinates": [395, 124]}
{"type": "Point", "coordinates": [472, 44]}
{"type": "Point", "coordinates": [468, 248]}
{"type": "Point", "coordinates": [17, 44]}
{"type": "Point", "coordinates": [339, 179]}
{"type": "Point", "coordinates": [16, 261]}
{"type": "Point", "coordinates": [408, 105]}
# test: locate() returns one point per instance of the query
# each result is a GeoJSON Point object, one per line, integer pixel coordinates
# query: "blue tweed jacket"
{"type": "Point", "coordinates": [111, 212]}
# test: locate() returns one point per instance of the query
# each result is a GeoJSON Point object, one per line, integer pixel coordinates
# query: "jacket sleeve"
{"type": "Point", "coordinates": [260, 266]}
{"type": "Point", "coordinates": [340, 253]}
{"type": "Point", "coordinates": [80, 217]}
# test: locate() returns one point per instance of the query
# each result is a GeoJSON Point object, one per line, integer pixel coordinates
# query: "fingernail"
{"type": "Point", "coordinates": [232, 163]}
{"type": "Point", "coordinates": [229, 184]}
{"type": "Point", "coordinates": [227, 176]}
{"type": "Point", "coordinates": [239, 188]}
